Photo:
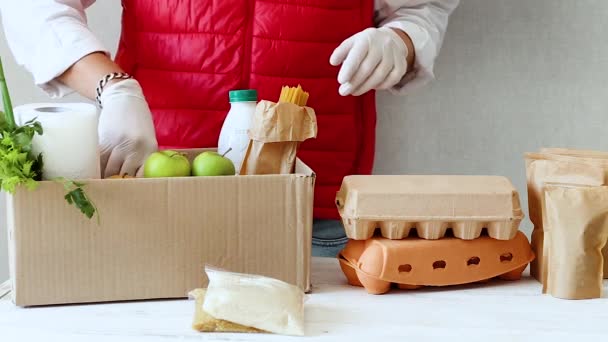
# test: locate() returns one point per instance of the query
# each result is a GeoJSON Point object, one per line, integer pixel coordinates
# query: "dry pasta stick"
{"type": "Point", "coordinates": [295, 95]}
{"type": "Point", "coordinates": [288, 95]}
{"type": "Point", "coordinates": [296, 98]}
{"type": "Point", "coordinates": [284, 94]}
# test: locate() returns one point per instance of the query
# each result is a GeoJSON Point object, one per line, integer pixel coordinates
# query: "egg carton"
{"type": "Point", "coordinates": [379, 263]}
{"type": "Point", "coordinates": [358, 229]}
{"type": "Point", "coordinates": [431, 206]}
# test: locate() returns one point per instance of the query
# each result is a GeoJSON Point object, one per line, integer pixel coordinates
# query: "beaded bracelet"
{"type": "Point", "coordinates": [107, 78]}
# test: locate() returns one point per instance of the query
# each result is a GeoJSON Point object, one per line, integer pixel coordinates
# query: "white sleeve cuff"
{"type": "Point", "coordinates": [58, 51]}
{"type": "Point", "coordinates": [426, 51]}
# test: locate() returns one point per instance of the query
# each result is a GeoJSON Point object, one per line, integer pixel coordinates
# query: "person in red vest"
{"type": "Point", "coordinates": [177, 60]}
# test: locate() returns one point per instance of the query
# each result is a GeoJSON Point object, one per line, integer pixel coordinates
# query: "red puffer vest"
{"type": "Point", "coordinates": [187, 55]}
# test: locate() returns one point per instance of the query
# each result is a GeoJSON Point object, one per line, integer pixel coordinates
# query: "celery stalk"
{"type": "Point", "coordinates": [6, 100]}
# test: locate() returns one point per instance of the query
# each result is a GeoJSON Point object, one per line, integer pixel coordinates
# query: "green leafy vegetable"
{"type": "Point", "coordinates": [19, 166]}
{"type": "Point", "coordinates": [75, 195]}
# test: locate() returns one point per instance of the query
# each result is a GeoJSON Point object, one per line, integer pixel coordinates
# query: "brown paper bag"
{"type": "Point", "coordinates": [594, 157]}
{"type": "Point", "coordinates": [576, 230]}
{"type": "Point", "coordinates": [542, 168]}
{"type": "Point", "coordinates": [544, 243]}
{"type": "Point", "coordinates": [575, 152]}
{"type": "Point", "coordinates": [275, 135]}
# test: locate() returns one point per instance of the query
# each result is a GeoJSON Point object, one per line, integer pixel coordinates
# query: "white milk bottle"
{"type": "Point", "coordinates": [234, 134]}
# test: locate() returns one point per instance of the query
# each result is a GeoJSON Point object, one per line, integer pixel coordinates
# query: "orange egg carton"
{"type": "Point", "coordinates": [378, 263]}
{"type": "Point", "coordinates": [430, 205]}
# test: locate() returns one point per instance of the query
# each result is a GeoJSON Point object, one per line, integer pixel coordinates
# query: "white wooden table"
{"type": "Point", "coordinates": [496, 311]}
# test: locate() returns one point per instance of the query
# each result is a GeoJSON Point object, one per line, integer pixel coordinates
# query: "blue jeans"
{"type": "Point", "coordinates": [328, 238]}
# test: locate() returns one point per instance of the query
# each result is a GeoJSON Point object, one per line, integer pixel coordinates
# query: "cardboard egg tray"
{"type": "Point", "coordinates": [411, 263]}
{"type": "Point", "coordinates": [430, 230]}
{"type": "Point", "coordinates": [430, 206]}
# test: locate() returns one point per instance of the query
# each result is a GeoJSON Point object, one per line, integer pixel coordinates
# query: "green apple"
{"type": "Point", "coordinates": [166, 163]}
{"type": "Point", "coordinates": [212, 164]}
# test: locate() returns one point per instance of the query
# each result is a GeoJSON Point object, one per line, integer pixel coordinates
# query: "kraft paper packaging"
{"type": "Point", "coordinates": [576, 230]}
{"type": "Point", "coordinates": [542, 168]}
{"type": "Point", "coordinates": [276, 132]}
{"type": "Point", "coordinates": [575, 152]}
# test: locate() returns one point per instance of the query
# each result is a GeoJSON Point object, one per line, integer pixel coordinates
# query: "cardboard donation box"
{"type": "Point", "coordinates": [155, 236]}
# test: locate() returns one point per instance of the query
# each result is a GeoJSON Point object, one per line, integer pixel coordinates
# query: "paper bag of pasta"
{"type": "Point", "coordinates": [235, 302]}
{"type": "Point", "coordinates": [277, 131]}
{"type": "Point", "coordinates": [576, 230]}
{"type": "Point", "coordinates": [564, 166]}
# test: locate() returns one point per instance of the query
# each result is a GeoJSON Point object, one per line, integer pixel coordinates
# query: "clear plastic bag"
{"type": "Point", "coordinates": [255, 301]}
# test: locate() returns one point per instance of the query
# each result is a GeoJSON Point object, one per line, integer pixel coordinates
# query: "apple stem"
{"type": "Point", "coordinates": [225, 153]}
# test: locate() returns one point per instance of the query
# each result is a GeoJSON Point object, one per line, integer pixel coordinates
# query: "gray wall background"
{"type": "Point", "coordinates": [512, 76]}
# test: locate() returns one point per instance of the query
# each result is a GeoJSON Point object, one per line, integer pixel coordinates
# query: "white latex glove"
{"type": "Point", "coordinates": [126, 130]}
{"type": "Point", "coordinates": [371, 59]}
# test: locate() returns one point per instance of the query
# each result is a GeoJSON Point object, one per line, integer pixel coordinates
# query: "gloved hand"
{"type": "Point", "coordinates": [371, 59]}
{"type": "Point", "coordinates": [126, 130]}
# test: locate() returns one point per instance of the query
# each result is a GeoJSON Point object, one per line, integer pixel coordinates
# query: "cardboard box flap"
{"type": "Point", "coordinates": [304, 170]}
{"type": "Point", "coordinates": [428, 198]}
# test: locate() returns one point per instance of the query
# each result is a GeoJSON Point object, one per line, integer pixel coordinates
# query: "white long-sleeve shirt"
{"type": "Point", "coordinates": [49, 36]}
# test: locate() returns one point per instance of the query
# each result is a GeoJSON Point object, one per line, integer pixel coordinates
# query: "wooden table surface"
{"type": "Point", "coordinates": [495, 311]}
